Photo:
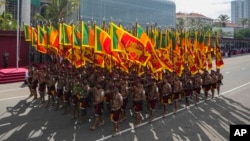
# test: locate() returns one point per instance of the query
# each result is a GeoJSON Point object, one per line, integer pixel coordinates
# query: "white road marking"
{"type": "Point", "coordinates": [3, 99]}
{"type": "Point", "coordinates": [235, 88]}
{"type": "Point", "coordinates": [158, 118]}
{"type": "Point", "coordinates": [1, 91]}
{"type": "Point", "coordinates": [1, 125]}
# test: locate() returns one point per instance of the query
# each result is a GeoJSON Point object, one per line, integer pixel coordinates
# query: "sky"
{"type": "Point", "coordinates": [208, 8]}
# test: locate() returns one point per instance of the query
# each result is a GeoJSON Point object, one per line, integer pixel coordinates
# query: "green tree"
{"type": "Point", "coordinates": [57, 10]}
{"type": "Point", "coordinates": [7, 22]}
{"type": "Point", "coordinates": [180, 24]}
{"type": "Point", "coordinates": [243, 21]}
{"type": "Point", "coordinates": [242, 34]}
{"type": "Point", "coordinates": [223, 19]}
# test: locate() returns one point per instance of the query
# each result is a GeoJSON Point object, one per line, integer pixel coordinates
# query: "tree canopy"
{"type": "Point", "coordinates": [56, 11]}
{"type": "Point", "coordinates": [223, 19]}
{"type": "Point", "coordinates": [7, 22]}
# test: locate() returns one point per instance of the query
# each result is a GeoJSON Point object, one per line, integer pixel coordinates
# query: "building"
{"type": "Point", "coordinates": [127, 12]}
{"type": "Point", "coordinates": [237, 11]}
{"type": "Point", "coordinates": [240, 9]}
{"type": "Point", "coordinates": [247, 9]}
{"type": "Point", "coordinates": [191, 20]}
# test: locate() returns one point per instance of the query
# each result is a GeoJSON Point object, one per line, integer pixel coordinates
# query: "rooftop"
{"type": "Point", "coordinates": [194, 15]}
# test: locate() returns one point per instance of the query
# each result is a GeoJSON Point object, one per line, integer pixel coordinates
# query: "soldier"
{"type": "Point", "coordinates": [59, 91]}
{"type": "Point", "coordinates": [176, 91]}
{"type": "Point", "coordinates": [116, 104]}
{"type": "Point", "coordinates": [197, 83]}
{"type": "Point", "coordinates": [98, 95]}
{"type": "Point", "coordinates": [84, 101]}
{"type": "Point", "coordinates": [34, 83]}
{"type": "Point", "coordinates": [187, 88]}
{"type": "Point", "coordinates": [138, 98]}
{"type": "Point", "coordinates": [76, 92]}
{"type": "Point", "coordinates": [165, 94]}
{"type": "Point", "coordinates": [42, 85]}
{"type": "Point", "coordinates": [124, 93]}
{"type": "Point", "coordinates": [214, 81]}
{"type": "Point", "coordinates": [29, 80]}
{"type": "Point", "coordinates": [51, 87]}
{"type": "Point", "coordinates": [206, 85]}
{"type": "Point", "coordinates": [219, 82]}
{"type": "Point", "coordinates": [67, 94]}
{"type": "Point", "coordinates": [108, 92]}
{"type": "Point", "coordinates": [152, 99]}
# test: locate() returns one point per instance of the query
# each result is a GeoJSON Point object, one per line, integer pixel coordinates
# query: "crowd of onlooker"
{"type": "Point", "coordinates": [232, 51]}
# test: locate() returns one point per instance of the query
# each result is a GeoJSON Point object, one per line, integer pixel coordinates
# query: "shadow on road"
{"type": "Point", "coordinates": [30, 120]}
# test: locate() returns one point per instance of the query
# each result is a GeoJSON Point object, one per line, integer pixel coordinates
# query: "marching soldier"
{"type": "Point", "coordinates": [34, 83]}
{"type": "Point", "coordinates": [176, 91]}
{"type": "Point", "coordinates": [51, 87]}
{"type": "Point", "coordinates": [67, 91]}
{"type": "Point", "coordinates": [76, 92]}
{"type": "Point", "coordinates": [206, 85]}
{"type": "Point", "coordinates": [42, 85]}
{"type": "Point", "coordinates": [187, 87]}
{"type": "Point", "coordinates": [84, 101]}
{"type": "Point", "coordinates": [124, 93]}
{"type": "Point", "coordinates": [165, 94]}
{"type": "Point", "coordinates": [59, 91]}
{"type": "Point", "coordinates": [214, 81]}
{"type": "Point", "coordinates": [219, 82]}
{"type": "Point", "coordinates": [152, 99]}
{"type": "Point", "coordinates": [197, 83]}
{"type": "Point", "coordinates": [138, 98]}
{"type": "Point", "coordinates": [116, 104]}
{"type": "Point", "coordinates": [108, 92]}
{"type": "Point", "coordinates": [98, 95]}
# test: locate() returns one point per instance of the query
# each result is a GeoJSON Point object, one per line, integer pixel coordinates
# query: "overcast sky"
{"type": "Point", "coordinates": [209, 8]}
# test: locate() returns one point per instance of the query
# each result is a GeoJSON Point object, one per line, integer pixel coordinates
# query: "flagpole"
{"type": "Point", "coordinates": [81, 27]}
{"type": "Point", "coordinates": [17, 36]}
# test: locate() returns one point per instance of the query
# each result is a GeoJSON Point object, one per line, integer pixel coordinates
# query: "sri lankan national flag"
{"type": "Point", "coordinates": [154, 63]}
{"type": "Point", "coordinates": [133, 47]}
{"type": "Point", "coordinates": [218, 57]}
{"type": "Point", "coordinates": [76, 35]}
{"type": "Point", "coordinates": [67, 34]}
{"type": "Point", "coordinates": [116, 35]}
{"type": "Point", "coordinates": [53, 38]}
{"type": "Point", "coordinates": [42, 37]}
{"type": "Point", "coordinates": [87, 37]}
{"type": "Point", "coordinates": [27, 32]}
{"type": "Point", "coordinates": [34, 38]}
{"type": "Point", "coordinates": [102, 41]}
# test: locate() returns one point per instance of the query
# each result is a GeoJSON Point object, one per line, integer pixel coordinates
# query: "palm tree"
{"type": "Point", "coordinates": [57, 10]}
{"type": "Point", "coordinates": [244, 21]}
{"type": "Point", "coordinates": [223, 19]}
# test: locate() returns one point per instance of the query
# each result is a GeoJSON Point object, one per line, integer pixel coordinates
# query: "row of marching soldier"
{"type": "Point", "coordinates": [77, 91]}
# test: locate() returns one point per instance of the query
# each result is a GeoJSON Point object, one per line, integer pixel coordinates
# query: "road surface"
{"type": "Point", "coordinates": [24, 119]}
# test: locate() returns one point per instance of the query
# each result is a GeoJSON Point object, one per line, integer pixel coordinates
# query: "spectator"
{"type": "Point", "coordinates": [5, 59]}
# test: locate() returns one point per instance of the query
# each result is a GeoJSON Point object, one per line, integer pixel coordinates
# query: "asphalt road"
{"type": "Point", "coordinates": [23, 119]}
